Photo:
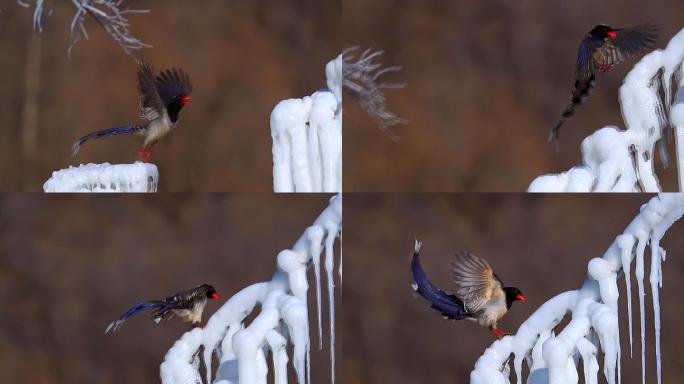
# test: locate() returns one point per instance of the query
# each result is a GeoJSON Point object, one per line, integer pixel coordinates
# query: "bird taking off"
{"type": "Point", "coordinates": [161, 99]}
{"type": "Point", "coordinates": [187, 305]}
{"type": "Point", "coordinates": [602, 48]}
{"type": "Point", "coordinates": [480, 295]}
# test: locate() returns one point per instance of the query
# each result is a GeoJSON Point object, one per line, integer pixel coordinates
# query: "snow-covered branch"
{"type": "Point", "coordinates": [242, 348]}
{"type": "Point", "coordinates": [136, 177]}
{"type": "Point", "coordinates": [553, 356]}
{"type": "Point", "coordinates": [307, 138]}
{"type": "Point", "coordinates": [615, 160]}
{"type": "Point", "coordinates": [109, 14]}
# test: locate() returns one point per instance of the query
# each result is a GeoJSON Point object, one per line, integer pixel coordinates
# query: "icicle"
{"type": "Point", "coordinates": [655, 281]}
{"type": "Point", "coordinates": [315, 234]}
{"type": "Point", "coordinates": [329, 268]}
{"type": "Point", "coordinates": [641, 246]}
{"type": "Point", "coordinates": [626, 245]}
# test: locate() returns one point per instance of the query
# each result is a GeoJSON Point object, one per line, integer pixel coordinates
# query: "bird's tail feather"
{"type": "Point", "coordinates": [106, 133]}
{"type": "Point", "coordinates": [448, 305]}
{"type": "Point", "coordinates": [141, 306]}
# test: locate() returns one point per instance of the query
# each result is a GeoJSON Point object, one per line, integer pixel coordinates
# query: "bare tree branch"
{"type": "Point", "coordinates": [109, 14]}
{"type": "Point", "coordinates": [360, 79]}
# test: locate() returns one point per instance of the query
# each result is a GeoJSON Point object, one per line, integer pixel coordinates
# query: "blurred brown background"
{"type": "Point", "coordinates": [69, 265]}
{"type": "Point", "coordinates": [541, 244]}
{"type": "Point", "coordinates": [243, 57]}
{"type": "Point", "coordinates": [485, 82]}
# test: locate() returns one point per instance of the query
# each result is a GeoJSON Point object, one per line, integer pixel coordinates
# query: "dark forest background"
{"type": "Point", "coordinates": [485, 82]}
{"type": "Point", "coordinates": [541, 244]}
{"type": "Point", "coordinates": [69, 265]}
{"type": "Point", "coordinates": [243, 57]}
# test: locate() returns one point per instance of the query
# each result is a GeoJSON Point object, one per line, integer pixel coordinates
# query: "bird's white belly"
{"type": "Point", "coordinates": [493, 311]}
{"type": "Point", "coordinates": [157, 130]}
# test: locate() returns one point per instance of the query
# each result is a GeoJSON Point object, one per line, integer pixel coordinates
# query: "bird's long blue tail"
{"type": "Point", "coordinates": [448, 305]}
{"type": "Point", "coordinates": [141, 306]}
{"type": "Point", "coordinates": [106, 133]}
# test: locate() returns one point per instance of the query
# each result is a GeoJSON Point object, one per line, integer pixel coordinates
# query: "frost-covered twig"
{"type": "Point", "coordinates": [307, 138]}
{"type": "Point", "coordinates": [136, 177]}
{"type": "Point", "coordinates": [553, 358]}
{"type": "Point", "coordinates": [242, 348]}
{"type": "Point", "coordinates": [109, 14]}
{"type": "Point", "coordinates": [615, 160]}
{"type": "Point", "coordinates": [361, 80]}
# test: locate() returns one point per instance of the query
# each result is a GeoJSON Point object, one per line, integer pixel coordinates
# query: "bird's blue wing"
{"type": "Point", "coordinates": [585, 59]}
{"type": "Point", "coordinates": [448, 305]}
{"type": "Point", "coordinates": [141, 306]}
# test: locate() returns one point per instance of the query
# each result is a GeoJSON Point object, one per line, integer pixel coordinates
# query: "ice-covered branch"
{"type": "Point", "coordinates": [553, 356]}
{"type": "Point", "coordinates": [615, 160]}
{"type": "Point", "coordinates": [361, 81]}
{"type": "Point", "coordinates": [109, 14]}
{"type": "Point", "coordinates": [242, 348]}
{"type": "Point", "coordinates": [307, 138]}
{"type": "Point", "coordinates": [136, 177]}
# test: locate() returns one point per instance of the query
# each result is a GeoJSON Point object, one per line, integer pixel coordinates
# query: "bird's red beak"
{"type": "Point", "coordinates": [520, 297]}
{"type": "Point", "coordinates": [612, 34]}
{"type": "Point", "coordinates": [185, 100]}
{"type": "Point", "coordinates": [215, 296]}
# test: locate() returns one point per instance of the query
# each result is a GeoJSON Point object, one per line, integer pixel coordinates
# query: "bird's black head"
{"type": "Point", "coordinates": [176, 104]}
{"type": "Point", "coordinates": [210, 292]}
{"type": "Point", "coordinates": [602, 31]}
{"type": "Point", "coordinates": [513, 294]}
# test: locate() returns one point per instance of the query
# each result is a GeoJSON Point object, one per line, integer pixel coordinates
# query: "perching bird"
{"type": "Point", "coordinates": [187, 305]}
{"type": "Point", "coordinates": [480, 295]}
{"type": "Point", "coordinates": [602, 48]}
{"type": "Point", "coordinates": [161, 99]}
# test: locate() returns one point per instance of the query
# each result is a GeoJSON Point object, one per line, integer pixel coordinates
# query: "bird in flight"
{"type": "Point", "coordinates": [187, 305]}
{"type": "Point", "coordinates": [161, 99]}
{"type": "Point", "coordinates": [601, 49]}
{"type": "Point", "coordinates": [480, 294]}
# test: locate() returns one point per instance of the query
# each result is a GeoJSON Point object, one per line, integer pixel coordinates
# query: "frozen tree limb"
{"type": "Point", "coordinates": [109, 14]}
{"type": "Point", "coordinates": [615, 160]}
{"type": "Point", "coordinates": [361, 80]}
{"type": "Point", "coordinates": [136, 177]}
{"type": "Point", "coordinates": [553, 357]}
{"type": "Point", "coordinates": [242, 348]}
{"type": "Point", "coordinates": [307, 138]}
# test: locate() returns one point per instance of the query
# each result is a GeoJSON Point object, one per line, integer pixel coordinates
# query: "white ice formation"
{"type": "Point", "coordinates": [242, 349]}
{"type": "Point", "coordinates": [307, 138]}
{"type": "Point", "coordinates": [553, 355]}
{"type": "Point", "coordinates": [136, 177]}
{"type": "Point", "coordinates": [615, 160]}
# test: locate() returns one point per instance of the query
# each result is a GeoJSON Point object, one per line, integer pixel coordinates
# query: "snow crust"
{"type": "Point", "coordinates": [553, 355]}
{"type": "Point", "coordinates": [615, 160]}
{"type": "Point", "coordinates": [307, 138]}
{"type": "Point", "coordinates": [242, 348]}
{"type": "Point", "coordinates": [136, 177]}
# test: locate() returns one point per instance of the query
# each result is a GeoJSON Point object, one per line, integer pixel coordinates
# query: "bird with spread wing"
{"type": "Point", "coordinates": [480, 294]}
{"type": "Point", "coordinates": [162, 97]}
{"type": "Point", "coordinates": [602, 48]}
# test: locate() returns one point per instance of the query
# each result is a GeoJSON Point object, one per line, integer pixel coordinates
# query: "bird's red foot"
{"type": "Point", "coordinates": [145, 154]}
{"type": "Point", "coordinates": [499, 332]}
{"type": "Point", "coordinates": [197, 325]}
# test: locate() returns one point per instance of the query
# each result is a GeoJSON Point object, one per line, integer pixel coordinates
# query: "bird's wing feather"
{"type": "Point", "coordinates": [448, 305]}
{"type": "Point", "coordinates": [631, 41]}
{"type": "Point", "coordinates": [151, 104]}
{"type": "Point", "coordinates": [475, 281]}
{"type": "Point", "coordinates": [172, 83]}
{"type": "Point", "coordinates": [626, 42]}
{"type": "Point", "coordinates": [585, 57]}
